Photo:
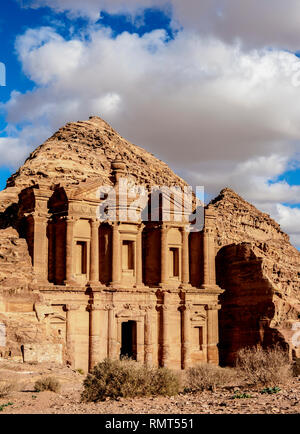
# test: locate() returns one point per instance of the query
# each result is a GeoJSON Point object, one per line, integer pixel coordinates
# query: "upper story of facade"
{"type": "Point", "coordinates": [117, 236]}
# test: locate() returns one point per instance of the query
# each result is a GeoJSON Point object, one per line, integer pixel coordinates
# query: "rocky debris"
{"type": "Point", "coordinates": [67, 401]}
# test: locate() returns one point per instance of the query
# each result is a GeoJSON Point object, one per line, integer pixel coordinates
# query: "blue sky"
{"type": "Point", "coordinates": [211, 88]}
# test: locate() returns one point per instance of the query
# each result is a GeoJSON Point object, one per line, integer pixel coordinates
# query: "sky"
{"type": "Point", "coordinates": [212, 88]}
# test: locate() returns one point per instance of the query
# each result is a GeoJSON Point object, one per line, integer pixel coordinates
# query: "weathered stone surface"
{"type": "Point", "coordinates": [16, 270]}
{"type": "Point", "coordinates": [259, 269]}
{"type": "Point", "coordinates": [84, 150]}
{"type": "Point", "coordinates": [257, 266]}
{"type": "Point", "coordinates": [39, 353]}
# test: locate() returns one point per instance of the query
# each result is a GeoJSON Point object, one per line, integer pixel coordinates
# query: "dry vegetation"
{"type": "Point", "coordinates": [127, 378]}
{"type": "Point", "coordinates": [260, 367]}
{"type": "Point", "coordinates": [208, 377]}
{"type": "Point", "coordinates": [47, 383]}
{"type": "Point", "coordinates": [7, 387]}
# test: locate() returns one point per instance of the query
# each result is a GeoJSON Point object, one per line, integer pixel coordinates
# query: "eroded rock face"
{"type": "Point", "coordinates": [257, 266]}
{"type": "Point", "coordinates": [259, 270]}
{"type": "Point", "coordinates": [84, 150]}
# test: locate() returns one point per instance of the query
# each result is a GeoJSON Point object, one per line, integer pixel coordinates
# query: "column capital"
{"type": "Point", "coordinates": [186, 307]}
{"type": "Point", "coordinates": [71, 219]}
{"type": "Point", "coordinates": [109, 306]}
{"type": "Point", "coordinates": [94, 222]}
{"type": "Point", "coordinates": [95, 307]}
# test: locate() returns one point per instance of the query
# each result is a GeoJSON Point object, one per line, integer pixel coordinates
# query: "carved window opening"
{"type": "Point", "coordinates": [129, 340]}
{"type": "Point", "coordinates": [198, 338]}
{"type": "Point", "coordinates": [81, 257]}
{"type": "Point", "coordinates": [174, 262]}
{"type": "Point", "coordinates": [128, 255]}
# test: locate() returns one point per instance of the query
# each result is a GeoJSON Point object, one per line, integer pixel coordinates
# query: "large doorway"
{"type": "Point", "coordinates": [128, 344]}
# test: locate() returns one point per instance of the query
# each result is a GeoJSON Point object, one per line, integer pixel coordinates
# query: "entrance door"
{"type": "Point", "coordinates": [128, 345]}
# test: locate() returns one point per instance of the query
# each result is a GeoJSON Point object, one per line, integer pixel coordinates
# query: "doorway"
{"type": "Point", "coordinates": [128, 344]}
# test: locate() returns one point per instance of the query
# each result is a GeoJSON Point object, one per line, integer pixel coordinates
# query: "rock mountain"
{"type": "Point", "coordinates": [256, 264]}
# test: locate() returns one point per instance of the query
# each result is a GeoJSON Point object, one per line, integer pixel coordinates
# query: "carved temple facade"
{"type": "Point", "coordinates": [145, 289]}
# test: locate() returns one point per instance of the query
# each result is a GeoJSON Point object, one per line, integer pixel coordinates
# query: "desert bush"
{"type": "Point", "coordinates": [7, 387]}
{"type": "Point", "coordinates": [127, 378]}
{"type": "Point", "coordinates": [268, 367]}
{"type": "Point", "coordinates": [207, 377]}
{"type": "Point", "coordinates": [47, 383]}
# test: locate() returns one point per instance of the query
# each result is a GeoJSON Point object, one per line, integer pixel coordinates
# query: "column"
{"type": "Point", "coordinates": [40, 248]}
{"type": "Point", "coordinates": [185, 257]}
{"type": "Point", "coordinates": [148, 338]}
{"type": "Point", "coordinates": [164, 255]}
{"type": "Point", "coordinates": [140, 336]}
{"type": "Point", "coordinates": [71, 321]}
{"type": "Point", "coordinates": [166, 331]}
{"type": "Point", "coordinates": [70, 251]}
{"type": "Point", "coordinates": [209, 249]}
{"type": "Point", "coordinates": [94, 253]}
{"type": "Point", "coordinates": [139, 256]}
{"type": "Point", "coordinates": [186, 344]}
{"type": "Point", "coordinates": [116, 254]}
{"type": "Point", "coordinates": [111, 335]}
{"type": "Point", "coordinates": [212, 334]}
{"type": "Point", "coordinates": [94, 335]}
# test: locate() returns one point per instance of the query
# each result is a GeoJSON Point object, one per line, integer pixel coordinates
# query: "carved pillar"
{"type": "Point", "coordinates": [166, 331]}
{"type": "Point", "coordinates": [212, 334]}
{"type": "Point", "coordinates": [209, 249]}
{"type": "Point", "coordinates": [140, 336]}
{"type": "Point", "coordinates": [139, 257]}
{"type": "Point", "coordinates": [95, 335]}
{"type": "Point", "coordinates": [116, 254]}
{"type": "Point", "coordinates": [148, 338]}
{"type": "Point", "coordinates": [71, 322]}
{"type": "Point", "coordinates": [164, 256]}
{"type": "Point", "coordinates": [186, 343]}
{"type": "Point", "coordinates": [111, 335]}
{"type": "Point", "coordinates": [70, 251]}
{"type": "Point", "coordinates": [94, 254]}
{"type": "Point", "coordinates": [185, 257]}
{"type": "Point", "coordinates": [40, 248]}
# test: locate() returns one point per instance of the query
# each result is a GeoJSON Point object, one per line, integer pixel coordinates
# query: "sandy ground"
{"type": "Point", "coordinates": [26, 401]}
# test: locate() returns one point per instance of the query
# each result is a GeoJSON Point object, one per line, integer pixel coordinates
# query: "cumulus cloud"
{"type": "Point", "coordinates": [255, 22]}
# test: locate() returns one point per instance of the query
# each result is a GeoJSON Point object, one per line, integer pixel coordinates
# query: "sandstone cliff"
{"type": "Point", "coordinates": [256, 265]}
{"type": "Point", "coordinates": [260, 271]}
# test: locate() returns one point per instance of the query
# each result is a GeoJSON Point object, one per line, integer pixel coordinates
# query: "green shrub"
{"type": "Point", "coordinates": [127, 378]}
{"type": "Point", "coordinates": [241, 396]}
{"type": "Point", "coordinates": [47, 383]}
{"type": "Point", "coordinates": [270, 390]}
{"type": "Point", "coordinates": [207, 377]}
{"type": "Point", "coordinates": [264, 367]}
{"type": "Point", "coordinates": [2, 406]}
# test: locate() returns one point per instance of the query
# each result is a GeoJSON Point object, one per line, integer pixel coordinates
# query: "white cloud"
{"type": "Point", "coordinates": [218, 113]}
{"type": "Point", "coordinates": [255, 22]}
{"type": "Point", "coordinates": [12, 151]}
{"type": "Point", "coordinates": [288, 218]}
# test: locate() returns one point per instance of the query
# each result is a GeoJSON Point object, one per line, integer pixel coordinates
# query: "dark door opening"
{"type": "Point", "coordinates": [128, 344]}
